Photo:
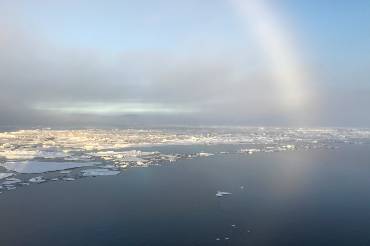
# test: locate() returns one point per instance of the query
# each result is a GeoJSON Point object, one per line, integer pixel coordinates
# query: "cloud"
{"type": "Point", "coordinates": [42, 82]}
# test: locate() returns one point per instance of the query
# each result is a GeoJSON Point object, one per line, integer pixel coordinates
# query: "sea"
{"type": "Point", "coordinates": [301, 197]}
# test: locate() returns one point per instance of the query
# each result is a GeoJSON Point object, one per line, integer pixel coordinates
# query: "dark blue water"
{"type": "Point", "coordinates": [316, 197]}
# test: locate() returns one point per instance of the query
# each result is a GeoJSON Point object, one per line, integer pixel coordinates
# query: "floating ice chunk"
{"type": "Point", "coordinates": [54, 179]}
{"type": "Point", "coordinates": [204, 154]}
{"type": "Point", "coordinates": [250, 151]}
{"type": "Point", "coordinates": [65, 172]}
{"type": "Point", "coordinates": [52, 154]}
{"type": "Point", "coordinates": [78, 158]}
{"type": "Point", "coordinates": [132, 159]}
{"type": "Point", "coordinates": [5, 175]}
{"type": "Point", "coordinates": [11, 181]}
{"type": "Point", "coordinates": [69, 179]}
{"type": "Point", "coordinates": [124, 166]}
{"type": "Point", "coordinates": [37, 180]}
{"type": "Point", "coordinates": [19, 154]}
{"type": "Point", "coordinates": [98, 172]}
{"type": "Point", "coordinates": [109, 166]}
{"type": "Point", "coordinates": [141, 163]}
{"type": "Point", "coordinates": [289, 146]}
{"type": "Point", "coordinates": [222, 193]}
{"type": "Point", "coordinates": [170, 158]}
{"type": "Point", "coordinates": [41, 167]}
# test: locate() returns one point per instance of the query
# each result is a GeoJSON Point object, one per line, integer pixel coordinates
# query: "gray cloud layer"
{"type": "Point", "coordinates": [223, 87]}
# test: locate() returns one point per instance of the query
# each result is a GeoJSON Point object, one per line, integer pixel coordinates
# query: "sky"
{"type": "Point", "coordinates": [209, 62]}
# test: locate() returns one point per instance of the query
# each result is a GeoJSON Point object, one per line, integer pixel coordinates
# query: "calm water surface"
{"type": "Point", "coordinates": [315, 197]}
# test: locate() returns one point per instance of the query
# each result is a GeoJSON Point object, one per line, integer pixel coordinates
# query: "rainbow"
{"type": "Point", "coordinates": [290, 76]}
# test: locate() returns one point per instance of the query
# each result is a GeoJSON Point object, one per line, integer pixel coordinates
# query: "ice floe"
{"type": "Point", "coordinates": [69, 179]}
{"type": "Point", "coordinates": [38, 179]}
{"type": "Point", "coordinates": [41, 167]}
{"type": "Point", "coordinates": [5, 175]}
{"type": "Point", "coordinates": [98, 172]}
{"type": "Point", "coordinates": [204, 154]}
{"type": "Point", "coordinates": [11, 181]}
{"type": "Point", "coordinates": [65, 172]}
{"type": "Point", "coordinates": [222, 193]}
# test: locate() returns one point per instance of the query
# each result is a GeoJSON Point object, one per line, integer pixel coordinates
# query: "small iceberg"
{"type": "Point", "coordinates": [222, 193]}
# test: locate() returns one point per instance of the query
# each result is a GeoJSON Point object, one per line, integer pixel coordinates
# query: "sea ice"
{"type": "Point", "coordinates": [250, 151]}
{"type": "Point", "coordinates": [69, 179]}
{"type": "Point", "coordinates": [11, 181]}
{"type": "Point", "coordinates": [109, 166]}
{"type": "Point", "coordinates": [222, 193]}
{"type": "Point", "coordinates": [5, 175]}
{"type": "Point", "coordinates": [38, 180]}
{"type": "Point", "coordinates": [204, 154]}
{"type": "Point", "coordinates": [41, 167]}
{"type": "Point", "coordinates": [65, 172]}
{"type": "Point", "coordinates": [98, 172]}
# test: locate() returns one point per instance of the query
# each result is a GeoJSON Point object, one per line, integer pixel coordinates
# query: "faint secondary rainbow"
{"type": "Point", "coordinates": [290, 76]}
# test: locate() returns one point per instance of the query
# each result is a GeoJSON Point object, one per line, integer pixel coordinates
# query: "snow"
{"type": "Point", "coordinates": [41, 167]}
{"type": "Point", "coordinates": [98, 172]}
{"type": "Point", "coordinates": [5, 175]}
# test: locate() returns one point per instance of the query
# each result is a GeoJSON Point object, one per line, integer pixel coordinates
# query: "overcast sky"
{"type": "Point", "coordinates": [236, 62]}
